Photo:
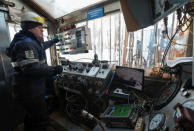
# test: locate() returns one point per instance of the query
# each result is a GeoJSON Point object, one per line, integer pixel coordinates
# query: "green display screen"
{"type": "Point", "coordinates": [122, 110]}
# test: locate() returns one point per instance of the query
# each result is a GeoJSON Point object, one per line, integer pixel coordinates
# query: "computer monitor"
{"type": "Point", "coordinates": [131, 78]}
{"type": "Point", "coordinates": [140, 14]}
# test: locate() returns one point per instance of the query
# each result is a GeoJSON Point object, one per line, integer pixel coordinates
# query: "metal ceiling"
{"type": "Point", "coordinates": [72, 13]}
{"type": "Point", "coordinates": [58, 8]}
{"type": "Point", "coordinates": [39, 9]}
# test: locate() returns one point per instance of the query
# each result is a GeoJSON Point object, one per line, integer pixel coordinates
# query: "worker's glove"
{"type": "Point", "coordinates": [58, 69]}
{"type": "Point", "coordinates": [57, 38]}
{"type": "Point", "coordinates": [185, 118]}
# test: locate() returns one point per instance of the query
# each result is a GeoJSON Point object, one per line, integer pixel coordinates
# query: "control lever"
{"type": "Point", "coordinates": [185, 118]}
{"type": "Point", "coordinates": [95, 61]}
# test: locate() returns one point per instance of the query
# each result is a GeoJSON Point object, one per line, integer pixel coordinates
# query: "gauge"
{"type": "Point", "coordinates": [157, 122]}
{"type": "Point", "coordinates": [167, 94]}
{"type": "Point", "coordinates": [188, 104]}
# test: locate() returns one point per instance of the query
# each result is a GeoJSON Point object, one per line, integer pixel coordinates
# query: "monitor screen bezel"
{"type": "Point", "coordinates": [141, 70]}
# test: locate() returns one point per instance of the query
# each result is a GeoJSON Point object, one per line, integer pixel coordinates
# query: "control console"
{"type": "Point", "coordinates": [101, 71]}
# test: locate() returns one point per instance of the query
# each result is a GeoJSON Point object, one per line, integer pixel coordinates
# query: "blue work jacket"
{"type": "Point", "coordinates": [29, 60]}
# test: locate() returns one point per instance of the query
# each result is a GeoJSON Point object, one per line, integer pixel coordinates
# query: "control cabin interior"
{"type": "Point", "coordinates": [127, 65]}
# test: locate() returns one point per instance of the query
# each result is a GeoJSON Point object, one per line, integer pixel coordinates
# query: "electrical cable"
{"type": "Point", "coordinates": [174, 43]}
{"type": "Point", "coordinates": [92, 117]}
{"type": "Point", "coordinates": [179, 27]}
{"type": "Point", "coordinates": [73, 108]}
{"type": "Point", "coordinates": [184, 19]}
{"type": "Point", "coordinates": [191, 21]}
{"type": "Point", "coordinates": [168, 46]}
{"type": "Point", "coordinates": [109, 84]}
{"type": "Point", "coordinates": [179, 15]}
{"type": "Point", "coordinates": [183, 23]}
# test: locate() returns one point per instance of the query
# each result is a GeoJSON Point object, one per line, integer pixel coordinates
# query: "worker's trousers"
{"type": "Point", "coordinates": [37, 116]}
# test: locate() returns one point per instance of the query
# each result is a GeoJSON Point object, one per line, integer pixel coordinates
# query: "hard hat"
{"type": "Point", "coordinates": [33, 17]}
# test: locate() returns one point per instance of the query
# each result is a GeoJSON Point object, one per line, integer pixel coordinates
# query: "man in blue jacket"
{"type": "Point", "coordinates": [27, 52]}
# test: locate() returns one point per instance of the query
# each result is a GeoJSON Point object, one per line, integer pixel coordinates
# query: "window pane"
{"type": "Point", "coordinates": [58, 8]}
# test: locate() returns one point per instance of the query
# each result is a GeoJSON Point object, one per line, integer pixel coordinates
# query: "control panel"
{"type": "Point", "coordinates": [101, 71]}
{"type": "Point", "coordinates": [74, 41]}
{"type": "Point", "coordinates": [82, 85]}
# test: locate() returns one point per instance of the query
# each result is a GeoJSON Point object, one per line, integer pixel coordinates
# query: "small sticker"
{"type": "Point", "coordinates": [29, 54]}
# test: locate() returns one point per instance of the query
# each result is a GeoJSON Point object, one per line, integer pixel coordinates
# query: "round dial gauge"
{"type": "Point", "coordinates": [157, 122]}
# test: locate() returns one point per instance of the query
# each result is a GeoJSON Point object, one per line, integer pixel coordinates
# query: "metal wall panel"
{"type": "Point", "coordinates": [4, 37]}
{"type": "Point", "coordinates": [11, 114]}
